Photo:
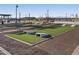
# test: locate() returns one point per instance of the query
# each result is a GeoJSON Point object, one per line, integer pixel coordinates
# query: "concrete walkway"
{"type": "Point", "coordinates": [66, 22]}
{"type": "Point", "coordinates": [76, 51]}
{"type": "Point", "coordinates": [4, 51]}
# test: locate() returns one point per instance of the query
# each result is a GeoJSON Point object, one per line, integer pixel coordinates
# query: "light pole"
{"type": "Point", "coordinates": [29, 17]}
{"type": "Point", "coordinates": [47, 13]}
{"type": "Point", "coordinates": [66, 16]}
{"type": "Point", "coordinates": [19, 15]}
{"type": "Point", "coordinates": [16, 12]}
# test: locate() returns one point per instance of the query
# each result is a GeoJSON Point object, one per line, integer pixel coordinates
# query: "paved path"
{"type": "Point", "coordinates": [66, 22]}
{"type": "Point", "coordinates": [3, 51]}
{"type": "Point", "coordinates": [76, 51]}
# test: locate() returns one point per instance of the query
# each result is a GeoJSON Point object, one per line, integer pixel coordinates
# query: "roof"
{"type": "Point", "coordinates": [5, 14]}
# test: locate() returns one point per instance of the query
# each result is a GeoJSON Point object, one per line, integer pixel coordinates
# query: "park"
{"type": "Point", "coordinates": [32, 38]}
{"type": "Point", "coordinates": [38, 35]}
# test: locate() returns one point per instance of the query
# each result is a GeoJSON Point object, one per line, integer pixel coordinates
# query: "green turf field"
{"type": "Point", "coordinates": [54, 31]}
{"type": "Point", "coordinates": [27, 38]}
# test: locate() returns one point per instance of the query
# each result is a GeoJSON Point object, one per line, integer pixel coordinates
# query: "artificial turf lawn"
{"type": "Point", "coordinates": [51, 30]}
{"type": "Point", "coordinates": [27, 38]}
{"type": "Point", "coordinates": [55, 31]}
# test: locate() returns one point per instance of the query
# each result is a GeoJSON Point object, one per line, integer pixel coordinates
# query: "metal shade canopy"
{"type": "Point", "coordinates": [5, 14]}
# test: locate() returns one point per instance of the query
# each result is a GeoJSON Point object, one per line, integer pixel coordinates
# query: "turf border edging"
{"type": "Point", "coordinates": [18, 40]}
{"type": "Point", "coordinates": [42, 41]}
{"type": "Point", "coordinates": [39, 42]}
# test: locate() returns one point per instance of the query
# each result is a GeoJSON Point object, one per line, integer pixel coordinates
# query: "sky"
{"type": "Point", "coordinates": [38, 10]}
